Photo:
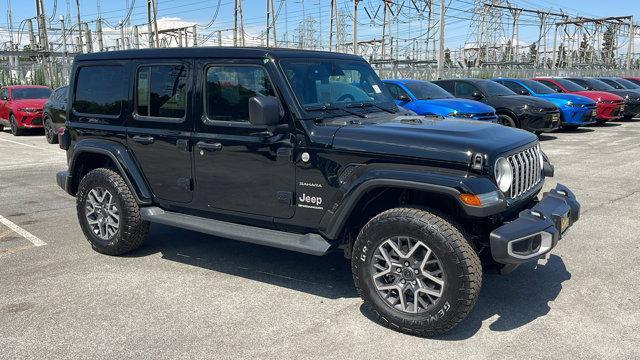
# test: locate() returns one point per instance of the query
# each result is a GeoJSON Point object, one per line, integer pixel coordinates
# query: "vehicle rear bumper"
{"type": "Point", "coordinates": [536, 230]}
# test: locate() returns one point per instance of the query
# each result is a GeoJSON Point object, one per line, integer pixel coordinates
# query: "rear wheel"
{"type": "Point", "coordinates": [415, 271]}
{"type": "Point", "coordinates": [108, 213]}
{"type": "Point", "coordinates": [506, 120]}
{"type": "Point", "coordinates": [15, 130]}
{"type": "Point", "coordinates": [49, 131]}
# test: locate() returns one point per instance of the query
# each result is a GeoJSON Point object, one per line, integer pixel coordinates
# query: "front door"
{"type": "Point", "coordinates": [239, 168]}
{"type": "Point", "coordinates": [159, 130]}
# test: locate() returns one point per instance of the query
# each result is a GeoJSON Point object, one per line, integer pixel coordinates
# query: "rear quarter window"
{"type": "Point", "coordinates": [101, 90]}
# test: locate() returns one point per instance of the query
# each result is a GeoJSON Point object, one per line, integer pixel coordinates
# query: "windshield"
{"type": "Point", "coordinates": [30, 93]}
{"type": "Point", "coordinates": [537, 87]}
{"type": "Point", "coordinates": [598, 85]}
{"type": "Point", "coordinates": [492, 88]}
{"type": "Point", "coordinates": [426, 91]}
{"type": "Point", "coordinates": [627, 84]}
{"type": "Point", "coordinates": [569, 85]}
{"type": "Point", "coordinates": [335, 83]}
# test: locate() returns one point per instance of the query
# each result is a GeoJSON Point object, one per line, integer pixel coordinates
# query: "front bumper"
{"type": "Point", "coordinates": [536, 230]}
{"type": "Point", "coordinates": [64, 181]}
{"type": "Point", "coordinates": [29, 120]}
{"type": "Point", "coordinates": [541, 121]}
{"type": "Point", "coordinates": [609, 111]}
{"type": "Point", "coordinates": [578, 116]}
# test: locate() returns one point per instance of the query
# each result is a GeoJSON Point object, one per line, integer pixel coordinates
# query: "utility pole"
{"type": "Point", "coordinates": [42, 25]}
{"type": "Point", "coordinates": [354, 29]}
{"type": "Point", "coordinates": [235, 22]}
{"type": "Point", "coordinates": [99, 33]}
{"type": "Point", "coordinates": [122, 35]}
{"type": "Point", "coordinates": [32, 38]}
{"type": "Point", "coordinates": [384, 28]}
{"type": "Point", "coordinates": [87, 34]}
{"type": "Point", "coordinates": [79, 25]}
{"type": "Point", "coordinates": [149, 28]}
{"type": "Point", "coordinates": [154, 5]}
{"type": "Point", "coordinates": [195, 36]}
{"type": "Point", "coordinates": [441, 42]}
{"type": "Point", "coordinates": [136, 39]}
{"type": "Point", "coordinates": [555, 49]}
{"type": "Point", "coordinates": [271, 22]}
{"type": "Point", "coordinates": [630, 44]}
{"type": "Point", "coordinates": [542, 36]}
{"type": "Point", "coordinates": [64, 36]}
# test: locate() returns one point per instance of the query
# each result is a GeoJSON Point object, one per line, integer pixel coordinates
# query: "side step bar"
{"type": "Point", "coordinates": [312, 244]}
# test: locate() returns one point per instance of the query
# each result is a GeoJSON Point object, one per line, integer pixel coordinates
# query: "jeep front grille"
{"type": "Point", "coordinates": [527, 170]}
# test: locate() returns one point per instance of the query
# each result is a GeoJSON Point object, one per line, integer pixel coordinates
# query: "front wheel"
{"type": "Point", "coordinates": [108, 213]}
{"type": "Point", "coordinates": [15, 130]}
{"type": "Point", "coordinates": [415, 271]}
{"type": "Point", "coordinates": [506, 120]}
{"type": "Point", "coordinates": [49, 131]}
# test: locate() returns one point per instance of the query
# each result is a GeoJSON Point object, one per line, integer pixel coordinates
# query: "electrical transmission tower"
{"type": "Point", "coordinates": [487, 34]}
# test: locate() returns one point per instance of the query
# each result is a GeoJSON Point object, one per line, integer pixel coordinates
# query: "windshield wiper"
{"type": "Point", "coordinates": [327, 108]}
{"type": "Point", "coordinates": [367, 104]}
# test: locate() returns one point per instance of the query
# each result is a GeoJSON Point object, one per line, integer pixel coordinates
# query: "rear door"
{"type": "Point", "coordinates": [159, 129]}
{"type": "Point", "coordinates": [239, 168]}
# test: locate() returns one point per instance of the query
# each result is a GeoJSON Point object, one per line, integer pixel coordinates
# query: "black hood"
{"type": "Point", "coordinates": [633, 94]}
{"type": "Point", "coordinates": [448, 140]}
{"type": "Point", "coordinates": [515, 102]}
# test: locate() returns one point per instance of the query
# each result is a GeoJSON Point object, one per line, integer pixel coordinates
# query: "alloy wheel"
{"type": "Point", "coordinates": [407, 274]}
{"type": "Point", "coordinates": [102, 213]}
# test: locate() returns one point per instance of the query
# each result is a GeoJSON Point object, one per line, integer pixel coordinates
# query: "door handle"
{"type": "Point", "coordinates": [143, 139]}
{"type": "Point", "coordinates": [204, 145]}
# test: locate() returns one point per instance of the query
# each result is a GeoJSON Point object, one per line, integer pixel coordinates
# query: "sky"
{"type": "Point", "coordinates": [458, 20]}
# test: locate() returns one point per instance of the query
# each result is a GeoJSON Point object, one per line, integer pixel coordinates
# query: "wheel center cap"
{"type": "Point", "coordinates": [408, 274]}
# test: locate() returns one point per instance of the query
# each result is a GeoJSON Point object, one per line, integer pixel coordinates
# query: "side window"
{"type": "Point", "coordinates": [448, 86]}
{"type": "Point", "coordinates": [515, 87]}
{"type": "Point", "coordinates": [581, 83]}
{"type": "Point", "coordinates": [4, 94]}
{"type": "Point", "coordinates": [464, 89]}
{"type": "Point", "coordinates": [551, 85]}
{"type": "Point", "coordinates": [100, 90]}
{"type": "Point", "coordinates": [229, 88]}
{"type": "Point", "coordinates": [161, 91]}
{"type": "Point", "coordinates": [612, 83]}
{"type": "Point", "coordinates": [395, 90]}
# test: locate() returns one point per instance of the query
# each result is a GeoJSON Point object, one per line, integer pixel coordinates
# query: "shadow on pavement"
{"type": "Point", "coordinates": [326, 276]}
{"type": "Point", "coordinates": [516, 299]}
{"type": "Point", "coordinates": [579, 130]}
{"type": "Point", "coordinates": [546, 137]}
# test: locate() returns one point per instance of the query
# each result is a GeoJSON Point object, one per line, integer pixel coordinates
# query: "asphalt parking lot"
{"type": "Point", "coordinates": [188, 295]}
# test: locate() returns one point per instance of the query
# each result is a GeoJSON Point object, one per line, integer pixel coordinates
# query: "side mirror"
{"type": "Point", "coordinates": [5, 98]}
{"type": "Point", "coordinates": [264, 111]}
{"type": "Point", "coordinates": [403, 98]}
{"type": "Point", "coordinates": [524, 92]}
{"type": "Point", "coordinates": [477, 95]}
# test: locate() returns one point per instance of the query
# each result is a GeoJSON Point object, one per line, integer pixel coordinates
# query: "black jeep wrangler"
{"type": "Point", "coordinates": [306, 151]}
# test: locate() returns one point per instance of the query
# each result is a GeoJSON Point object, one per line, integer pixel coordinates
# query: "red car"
{"type": "Point", "coordinates": [21, 107]}
{"type": "Point", "coordinates": [609, 106]}
{"type": "Point", "coordinates": [635, 80]}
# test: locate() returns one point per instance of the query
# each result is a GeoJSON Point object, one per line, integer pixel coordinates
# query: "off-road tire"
{"type": "Point", "coordinates": [507, 120]}
{"type": "Point", "coordinates": [49, 131]}
{"type": "Point", "coordinates": [15, 130]}
{"type": "Point", "coordinates": [461, 265]}
{"type": "Point", "coordinates": [132, 229]}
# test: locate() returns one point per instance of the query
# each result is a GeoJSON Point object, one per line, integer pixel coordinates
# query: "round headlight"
{"type": "Point", "coordinates": [503, 174]}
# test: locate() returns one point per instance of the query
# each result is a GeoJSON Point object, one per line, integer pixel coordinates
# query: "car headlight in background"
{"type": "Point", "coordinates": [503, 174]}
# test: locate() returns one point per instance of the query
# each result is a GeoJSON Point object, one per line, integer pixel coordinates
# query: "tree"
{"type": "Point", "coordinates": [562, 57]}
{"type": "Point", "coordinates": [609, 44]}
{"type": "Point", "coordinates": [447, 57]}
{"type": "Point", "coordinates": [533, 53]}
{"type": "Point", "coordinates": [584, 47]}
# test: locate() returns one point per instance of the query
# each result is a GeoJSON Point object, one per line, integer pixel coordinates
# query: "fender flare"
{"type": "Point", "coordinates": [120, 156]}
{"type": "Point", "coordinates": [332, 222]}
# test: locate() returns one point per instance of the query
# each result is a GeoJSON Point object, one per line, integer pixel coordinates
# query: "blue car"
{"type": "Point", "coordinates": [425, 98]}
{"type": "Point", "coordinates": [575, 110]}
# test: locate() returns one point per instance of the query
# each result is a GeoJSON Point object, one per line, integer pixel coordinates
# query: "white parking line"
{"type": "Point", "coordinates": [22, 232]}
{"type": "Point", "coordinates": [19, 143]}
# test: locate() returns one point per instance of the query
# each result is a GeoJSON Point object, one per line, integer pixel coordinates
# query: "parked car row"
{"type": "Point", "coordinates": [537, 105]}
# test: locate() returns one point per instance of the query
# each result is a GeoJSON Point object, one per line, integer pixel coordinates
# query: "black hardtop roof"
{"type": "Point", "coordinates": [212, 51]}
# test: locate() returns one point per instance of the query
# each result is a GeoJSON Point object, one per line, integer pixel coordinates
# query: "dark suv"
{"type": "Point", "coordinates": [55, 113]}
{"type": "Point", "coordinates": [306, 151]}
{"type": "Point", "coordinates": [535, 115]}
